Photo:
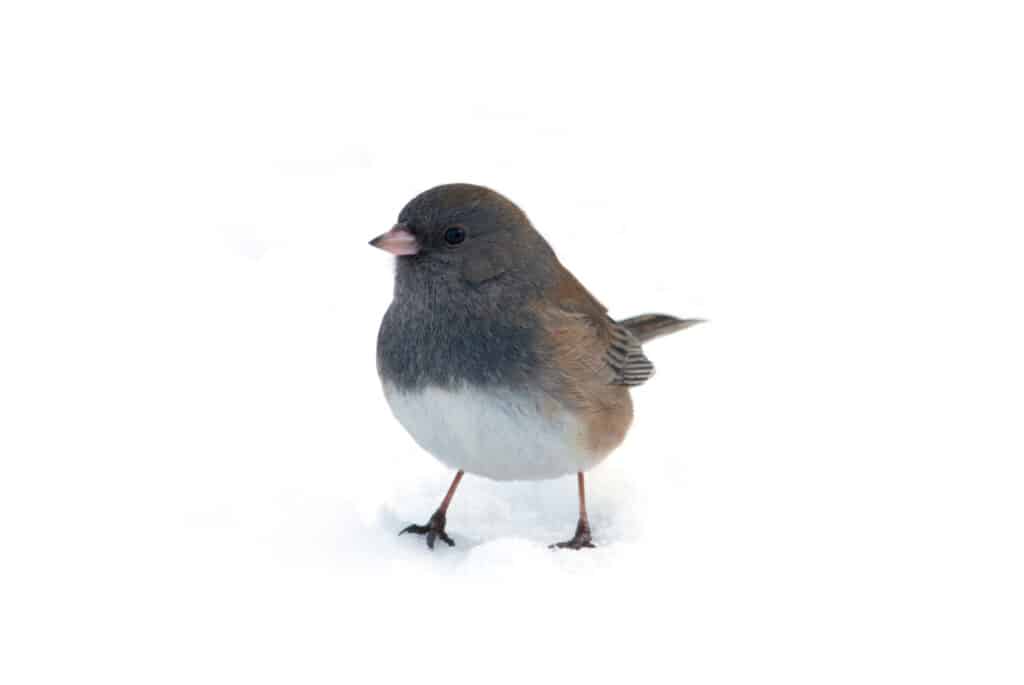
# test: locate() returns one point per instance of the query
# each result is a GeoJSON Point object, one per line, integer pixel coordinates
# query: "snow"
{"type": "Point", "coordinates": [200, 480]}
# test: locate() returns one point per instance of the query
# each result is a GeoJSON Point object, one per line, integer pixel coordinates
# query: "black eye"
{"type": "Point", "coordinates": [454, 235]}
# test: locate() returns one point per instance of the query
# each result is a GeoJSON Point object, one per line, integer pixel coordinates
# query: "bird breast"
{"type": "Point", "coordinates": [498, 433]}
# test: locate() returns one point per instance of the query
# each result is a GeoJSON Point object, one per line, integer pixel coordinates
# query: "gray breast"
{"type": "Point", "coordinates": [448, 345]}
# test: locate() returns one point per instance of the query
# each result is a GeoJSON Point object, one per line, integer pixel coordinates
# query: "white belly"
{"type": "Point", "coordinates": [493, 433]}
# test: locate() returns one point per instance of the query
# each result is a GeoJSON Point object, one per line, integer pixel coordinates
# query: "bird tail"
{"type": "Point", "coordinates": [650, 326]}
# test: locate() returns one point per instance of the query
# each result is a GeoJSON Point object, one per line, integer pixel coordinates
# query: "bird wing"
{"type": "Point", "coordinates": [626, 356]}
{"type": "Point", "coordinates": [586, 336]}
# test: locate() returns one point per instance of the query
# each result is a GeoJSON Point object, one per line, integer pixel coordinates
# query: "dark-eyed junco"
{"type": "Point", "coordinates": [494, 357]}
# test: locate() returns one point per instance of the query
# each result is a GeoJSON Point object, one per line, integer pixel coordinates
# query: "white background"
{"type": "Point", "coordinates": [200, 481]}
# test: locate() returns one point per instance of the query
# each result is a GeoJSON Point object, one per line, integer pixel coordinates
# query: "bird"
{"type": "Point", "coordinates": [495, 358]}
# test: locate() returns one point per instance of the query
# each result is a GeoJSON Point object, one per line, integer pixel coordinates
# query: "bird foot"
{"type": "Point", "coordinates": [580, 540]}
{"type": "Point", "coordinates": [433, 530]}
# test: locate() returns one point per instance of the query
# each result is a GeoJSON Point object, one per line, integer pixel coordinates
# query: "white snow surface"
{"type": "Point", "coordinates": [201, 481]}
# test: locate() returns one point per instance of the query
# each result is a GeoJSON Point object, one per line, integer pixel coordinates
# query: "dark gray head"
{"type": "Point", "coordinates": [465, 233]}
{"type": "Point", "coordinates": [468, 262]}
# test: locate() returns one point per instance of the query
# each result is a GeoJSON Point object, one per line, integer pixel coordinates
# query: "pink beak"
{"type": "Point", "coordinates": [399, 241]}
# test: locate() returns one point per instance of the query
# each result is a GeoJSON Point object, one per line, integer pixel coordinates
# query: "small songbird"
{"type": "Point", "coordinates": [494, 357]}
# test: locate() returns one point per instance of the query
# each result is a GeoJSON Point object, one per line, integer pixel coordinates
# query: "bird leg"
{"type": "Point", "coordinates": [435, 526]}
{"type": "Point", "coordinates": [582, 537]}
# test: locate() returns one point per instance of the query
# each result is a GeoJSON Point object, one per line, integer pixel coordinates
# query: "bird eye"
{"type": "Point", "coordinates": [454, 235]}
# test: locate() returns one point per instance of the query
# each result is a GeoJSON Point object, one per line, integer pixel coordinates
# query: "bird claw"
{"type": "Point", "coordinates": [433, 530]}
{"type": "Point", "coordinates": [579, 541]}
